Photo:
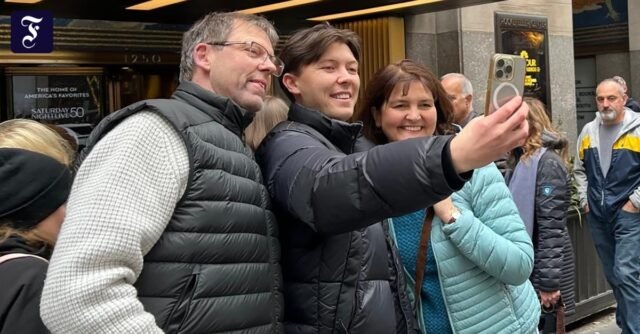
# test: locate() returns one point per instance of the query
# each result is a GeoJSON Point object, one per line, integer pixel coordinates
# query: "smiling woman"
{"type": "Point", "coordinates": [452, 245]}
{"type": "Point", "coordinates": [405, 94]}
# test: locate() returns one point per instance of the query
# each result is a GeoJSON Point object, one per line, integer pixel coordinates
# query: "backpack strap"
{"type": "Point", "coordinates": [12, 256]}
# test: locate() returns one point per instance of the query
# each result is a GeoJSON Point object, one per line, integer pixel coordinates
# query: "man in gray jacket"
{"type": "Point", "coordinates": [168, 225]}
{"type": "Point", "coordinates": [608, 177]}
{"type": "Point", "coordinates": [460, 92]}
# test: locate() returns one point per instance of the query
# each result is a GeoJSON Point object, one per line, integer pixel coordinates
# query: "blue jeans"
{"type": "Point", "coordinates": [618, 246]}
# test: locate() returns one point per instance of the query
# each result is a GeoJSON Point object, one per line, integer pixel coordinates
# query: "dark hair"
{"type": "Point", "coordinates": [382, 84]}
{"type": "Point", "coordinates": [307, 46]}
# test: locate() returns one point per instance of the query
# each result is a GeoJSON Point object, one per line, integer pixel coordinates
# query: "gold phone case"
{"type": "Point", "coordinates": [506, 80]}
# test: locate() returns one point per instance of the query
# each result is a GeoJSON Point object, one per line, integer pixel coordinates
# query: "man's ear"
{"type": "Point", "coordinates": [291, 82]}
{"type": "Point", "coordinates": [200, 57]}
{"type": "Point", "coordinates": [376, 116]}
{"type": "Point", "coordinates": [469, 98]}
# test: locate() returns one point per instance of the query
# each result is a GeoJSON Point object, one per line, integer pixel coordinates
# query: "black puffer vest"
{"type": "Point", "coordinates": [216, 266]}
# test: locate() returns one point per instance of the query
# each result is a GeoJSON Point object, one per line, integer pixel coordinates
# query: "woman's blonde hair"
{"type": "Point", "coordinates": [30, 236]}
{"type": "Point", "coordinates": [539, 123]}
{"type": "Point", "coordinates": [273, 112]}
{"type": "Point", "coordinates": [33, 136]}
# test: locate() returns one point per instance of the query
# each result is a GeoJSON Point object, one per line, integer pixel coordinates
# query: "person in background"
{"type": "Point", "coordinates": [273, 112]}
{"type": "Point", "coordinates": [69, 135]}
{"type": "Point", "coordinates": [468, 257]}
{"type": "Point", "coordinates": [631, 103]}
{"type": "Point", "coordinates": [42, 138]}
{"type": "Point", "coordinates": [460, 92]}
{"type": "Point", "coordinates": [540, 187]}
{"type": "Point", "coordinates": [35, 181]}
{"type": "Point", "coordinates": [332, 193]}
{"type": "Point", "coordinates": [169, 227]}
{"type": "Point", "coordinates": [607, 174]}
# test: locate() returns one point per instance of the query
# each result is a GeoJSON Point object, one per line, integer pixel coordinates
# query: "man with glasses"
{"type": "Point", "coordinates": [608, 177]}
{"type": "Point", "coordinates": [168, 227]}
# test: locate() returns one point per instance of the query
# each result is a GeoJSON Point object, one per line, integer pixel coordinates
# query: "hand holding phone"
{"type": "Point", "coordinates": [506, 80]}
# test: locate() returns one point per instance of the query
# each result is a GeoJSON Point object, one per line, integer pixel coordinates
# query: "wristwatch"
{"type": "Point", "coordinates": [455, 214]}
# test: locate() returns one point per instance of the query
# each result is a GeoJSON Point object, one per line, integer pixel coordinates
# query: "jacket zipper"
{"type": "Point", "coordinates": [181, 309]}
{"type": "Point", "coordinates": [356, 303]}
{"type": "Point", "coordinates": [511, 306]}
{"type": "Point", "coordinates": [444, 297]}
{"type": "Point", "coordinates": [394, 252]}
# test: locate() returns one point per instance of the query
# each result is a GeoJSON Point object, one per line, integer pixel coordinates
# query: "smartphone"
{"type": "Point", "coordinates": [506, 80]}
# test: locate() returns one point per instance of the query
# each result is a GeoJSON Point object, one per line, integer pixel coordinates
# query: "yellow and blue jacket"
{"type": "Point", "coordinates": [606, 195]}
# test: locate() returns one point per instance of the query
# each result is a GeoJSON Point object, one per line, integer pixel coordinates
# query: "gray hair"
{"type": "Point", "coordinates": [616, 82]}
{"type": "Point", "coordinates": [620, 80]}
{"type": "Point", "coordinates": [467, 88]}
{"type": "Point", "coordinates": [216, 27]}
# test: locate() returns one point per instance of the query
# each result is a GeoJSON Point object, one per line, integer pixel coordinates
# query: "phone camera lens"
{"type": "Point", "coordinates": [499, 74]}
{"type": "Point", "coordinates": [500, 62]}
{"type": "Point", "coordinates": [508, 69]}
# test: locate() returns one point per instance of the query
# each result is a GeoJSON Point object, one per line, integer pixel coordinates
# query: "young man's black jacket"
{"type": "Point", "coordinates": [341, 272]}
{"type": "Point", "coordinates": [21, 282]}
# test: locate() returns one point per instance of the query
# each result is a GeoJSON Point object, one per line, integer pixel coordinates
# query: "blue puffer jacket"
{"type": "Point", "coordinates": [484, 261]}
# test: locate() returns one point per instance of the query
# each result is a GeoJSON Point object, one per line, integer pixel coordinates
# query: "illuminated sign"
{"type": "Point", "coordinates": [57, 99]}
{"type": "Point", "coordinates": [526, 36]}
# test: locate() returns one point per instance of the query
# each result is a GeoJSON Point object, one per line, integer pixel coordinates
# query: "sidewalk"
{"type": "Point", "coordinates": [601, 323]}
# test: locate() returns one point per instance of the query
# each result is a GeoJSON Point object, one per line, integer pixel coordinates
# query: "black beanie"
{"type": "Point", "coordinates": [32, 186]}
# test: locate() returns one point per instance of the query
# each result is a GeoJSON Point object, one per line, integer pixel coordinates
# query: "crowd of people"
{"type": "Point", "coordinates": [222, 209]}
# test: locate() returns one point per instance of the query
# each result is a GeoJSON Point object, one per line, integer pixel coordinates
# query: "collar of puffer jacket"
{"type": "Point", "coordinates": [16, 244]}
{"type": "Point", "coordinates": [222, 109]}
{"type": "Point", "coordinates": [341, 134]}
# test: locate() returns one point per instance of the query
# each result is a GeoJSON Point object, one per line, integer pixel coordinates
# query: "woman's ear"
{"type": "Point", "coordinates": [291, 82]}
{"type": "Point", "coordinates": [376, 116]}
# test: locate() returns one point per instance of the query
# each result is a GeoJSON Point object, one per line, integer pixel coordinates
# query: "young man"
{"type": "Point", "coordinates": [608, 177]}
{"type": "Point", "coordinates": [341, 271]}
{"type": "Point", "coordinates": [168, 228]}
{"type": "Point", "coordinates": [460, 92]}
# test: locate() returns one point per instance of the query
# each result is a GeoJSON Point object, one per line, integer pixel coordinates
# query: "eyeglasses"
{"type": "Point", "coordinates": [256, 51]}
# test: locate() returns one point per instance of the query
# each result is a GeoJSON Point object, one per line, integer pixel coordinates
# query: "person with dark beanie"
{"type": "Point", "coordinates": [33, 191]}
